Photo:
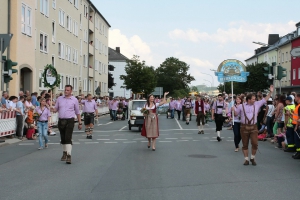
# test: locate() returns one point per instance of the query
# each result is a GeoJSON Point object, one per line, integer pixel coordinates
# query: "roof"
{"type": "Point", "coordinates": [113, 55]}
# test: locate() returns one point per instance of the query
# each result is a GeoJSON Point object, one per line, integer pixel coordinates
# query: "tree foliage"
{"type": "Point", "coordinates": [173, 75]}
{"type": "Point", "coordinates": [256, 81]}
{"type": "Point", "coordinates": [139, 77]}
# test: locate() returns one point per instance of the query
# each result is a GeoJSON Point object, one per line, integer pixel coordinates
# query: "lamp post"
{"type": "Point", "coordinates": [210, 85]}
{"type": "Point", "coordinates": [210, 76]}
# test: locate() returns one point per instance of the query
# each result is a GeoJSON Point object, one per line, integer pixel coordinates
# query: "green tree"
{"type": "Point", "coordinates": [139, 77]}
{"type": "Point", "coordinates": [173, 75]}
{"type": "Point", "coordinates": [194, 89]}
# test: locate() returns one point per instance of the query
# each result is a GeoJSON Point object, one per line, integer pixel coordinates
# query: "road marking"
{"type": "Point", "coordinates": [75, 142]}
{"type": "Point", "coordinates": [164, 141]}
{"type": "Point", "coordinates": [138, 139]}
{"type": "Point", "coordinates": [144, 141]}
{"type": "Point", "coordinates": [53, 143]}
{"type": "Point", "coordinates": [121, 139]}
{"type": "Point", "coordinates": [122, 128]}
{"type": "Point", "coordinates": [186, 138]}
{"type": "Point", "coordinates": [104, 135]}
{"type": "Point", "coordinates": [91, 142]}
{"type": "Point", "coordinates": [110, 142]}
{"type": "Point", "coordinates": [105, 124]}
{"type": "Point", "coordinates": [129, 142]}
{"type": "Point", "coordinates": [229, 137]}
{"type": "Point", "coordinates": [103, 139]}
{"type": "Point", "coordinates": [178, 133]}
{"type": "Point", "coordinates": [230, 140]}
{"type": "Point", "coordinates": [196, 140]}
{"type": "Point", "coordinates": [171, 138]}
{"type": "Point", "coordinates": [84, 140]}
{"type": "Point", "coordinates": [182, 140]}
{"type": "Point", "coordinates": [213, 140]}
{"type": "Point", "coordinates": [119, 134]}
{"type": "Point", "coordinates": [205, 137]}
{"type": "Point", "coordinates": [178, 124]}
{"type": "Point", "coordinates": [26, 144]}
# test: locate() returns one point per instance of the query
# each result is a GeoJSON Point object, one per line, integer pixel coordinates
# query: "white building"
{"type": "Point", "coordinates": [118, 60]}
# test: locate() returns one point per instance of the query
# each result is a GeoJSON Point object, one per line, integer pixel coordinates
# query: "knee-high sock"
{"type": "Point", "coordinates": [91, 130]}
{"type": "Point", "coordinates": [64, 147]}
{"type": "Point", "coordinates": [199, 128]}
{"type": "Point", "coordinates": [218, 132]}
{"type": "Point", "coordinates": [69, 149]}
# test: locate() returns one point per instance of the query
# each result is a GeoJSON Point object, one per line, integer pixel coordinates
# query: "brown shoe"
{"type": "Point", "coordinates": [246, 162]}
{"type": "Point", "coordinates": [64, 156]}
{"type": "Point", "coordinates": [68, 159]}
{"type": "Point", "coordinates": [253, 162]}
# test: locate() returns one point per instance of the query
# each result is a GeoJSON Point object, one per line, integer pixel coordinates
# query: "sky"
{"type": "Point", "coordinates": [201, 33]}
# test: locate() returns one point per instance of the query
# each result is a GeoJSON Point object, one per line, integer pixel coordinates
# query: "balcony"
{"type": "Point", "coordinates": [91, 72]}
{"type": "Point", "coordinates": [91, 50]}
{"type": "Point", "coordinates": [91, 25]}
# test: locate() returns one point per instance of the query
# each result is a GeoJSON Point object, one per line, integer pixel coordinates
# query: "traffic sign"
{"type": "Point", "coordinates": [6, 39]}
{"type": "Point", "coordinates": [295, 52]}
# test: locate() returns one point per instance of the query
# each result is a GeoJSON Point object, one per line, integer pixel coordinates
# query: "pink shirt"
{"type": "Point", "coordinates": [44, 114]}
{"type": "Point", "coordinates": [89, 106]}
{"type": "Point", "coordinates": [67, 107]}
{"type": "Point", "coordinates": [222, 106]}
{"type": "Point", "coordinates": [28, 104]}
{"type": "Point", "coordinates": [114, 105]}
{"type": "Point", "coordinates": [249, 110]}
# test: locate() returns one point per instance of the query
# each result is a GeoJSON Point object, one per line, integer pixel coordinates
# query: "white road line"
{"type": "Point", "coordinates": [75, 142]}
{"type": "Point", "coordinates": [119, 134]}
{"type": "Point", "coordinates": [205, 137]}
{"type": "Point", "coordinates": [144, 141]}
{"type": "Point", "coordinates": [129, 142]}
{"type": "Point", "coordinates": [171, 138]}
{"type": "Point", "coordinates": [229, 137]}
{"type": "Point", "coordinates": [178, 124]}
{"type": "Point", "coordinates": [182, 140]}
{"type": "Point", "coordinates": [103, 139]}
{"type": "Point", "coordinates": [103, 135]}
{"type": "Point", "coordinates": [186, 138]}
{"type": "Point", "coordinates": [110, 142]}
{"type": "Point", "coordinates": [26, 144]}
{"type": "Point", "coordinates": [122, 128]}
{"type": "Point", "coordinates": [178, 133]}
{"type": "Point", "coordinates": [230, 140]}
{"type": "Point", "coordinates": [196, 140]}
{"type": "Point", "coordinates": [164, 141]}
{"type": "Point", "coordinates": [139, 139]}
{"type": "Point", "coordinates": [53, 143]}
{"type": "Point", "coordinates": [121, 139]}
{"type": "Point", "coordinates": [213, 140]}
{"type": "Point", "coordinates": [91, 142]}
{"type": "Point", "coordinates": [105, 124]}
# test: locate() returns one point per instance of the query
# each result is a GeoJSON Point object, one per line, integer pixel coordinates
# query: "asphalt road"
{"type": "Point", "coordinates": [116, 164]}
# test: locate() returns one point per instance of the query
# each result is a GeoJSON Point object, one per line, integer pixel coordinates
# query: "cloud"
{"type": "Point", "coordinates": [130, 46]}
{"type": "Point", "coordinates": [243, 55]}
{"type": "Point", "coordinates": [237, 32]}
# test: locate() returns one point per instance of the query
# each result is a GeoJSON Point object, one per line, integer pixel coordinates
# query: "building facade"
{"type": "Point", "coordinates": [295, 62]}
{"type": "Point", "coordinates": [72, 35]}
{"type": "Point", "coordinates": [118, 61]}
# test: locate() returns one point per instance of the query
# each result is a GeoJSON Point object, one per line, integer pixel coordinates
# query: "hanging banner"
{"type": "Point", "coordinates": [232, 70]}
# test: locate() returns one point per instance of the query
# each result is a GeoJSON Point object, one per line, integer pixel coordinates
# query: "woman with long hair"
{"type": "Point", "coordinates": [150, 127]}
{"type": "Point", "coordinates": [279, 116]}
{"type": "Point", "coordinates": [42, 123]}
{"type": "Point", "coordinates": [237, 124]}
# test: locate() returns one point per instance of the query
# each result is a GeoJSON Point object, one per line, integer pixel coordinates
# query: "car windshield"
{"type": "Point", "coordinates": [138, 105]}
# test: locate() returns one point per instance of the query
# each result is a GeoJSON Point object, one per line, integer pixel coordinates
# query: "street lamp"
{"type": "Point", "coordinates": [210, 85]}
{"type": "Point", "coordinates": [210, 76]}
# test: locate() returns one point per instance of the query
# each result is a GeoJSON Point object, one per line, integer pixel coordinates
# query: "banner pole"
{"type": "Point", "coordinates": [232, 114]}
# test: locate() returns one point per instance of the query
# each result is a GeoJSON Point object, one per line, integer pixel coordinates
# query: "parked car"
{"type": "Point", "coordinates": [136, 118]}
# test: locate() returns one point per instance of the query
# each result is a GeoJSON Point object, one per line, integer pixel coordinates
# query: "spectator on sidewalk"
{"type": "Point", "coordinates": [12, 103]}
{"type": "Point", "coordinates": [20, 114]}
{"type": "Point", "coordinates": [21, 93]}
{"type": "Point", "coordinates": [3, 99]}
{"type": "Point", "coordinates": [28, 103]}
{"type": "Point", "coordinates": [34, 98]}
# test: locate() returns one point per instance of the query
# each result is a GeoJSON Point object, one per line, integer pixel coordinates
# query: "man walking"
{"type": "Point", "coordinates": [248, 112]}
{"type": "Point", "coordinates": [296, 122]}
{"type": "Point", "coordinates": [219, 110]}
{"type": "Point", "coordinates": [67, 107]}
{"type": "Point", "coordinates": [172, 107]}
{"type": "Point", "coordinates": [114, 108]}
{"type": "Point", "coordinates": [89, 109]}
{"type": "Point", "coordinates": [200, 112]}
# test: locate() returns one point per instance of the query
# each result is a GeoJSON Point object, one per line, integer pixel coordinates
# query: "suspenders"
{"type": "Point", "coordinates": [246, 118]}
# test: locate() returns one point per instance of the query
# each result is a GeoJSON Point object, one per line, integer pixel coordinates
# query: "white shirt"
{"type": "Point", "coordinates": [11, 104]}
{"type": "Point", "coordinates": [293, 99]}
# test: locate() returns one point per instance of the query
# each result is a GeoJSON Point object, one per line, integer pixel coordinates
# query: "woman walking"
{"type": "Point", "coordinates": [237, 125]}
{"type": "Point", "coordinates": [187, 111]}
{"type": "Point", "coordinates": [270, 108]}
{"type": "Point", "coordinates": [42, 123]}
{"type": "Point", "coordinates": [150, 127]}
{"type": "Point", "coordinates": [178, 107]}
{"type": "Point", "coordinates": [279, 116]}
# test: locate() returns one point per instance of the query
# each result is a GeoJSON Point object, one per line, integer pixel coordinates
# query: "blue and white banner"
{"type": "Point", "coordinates": [232, 70]}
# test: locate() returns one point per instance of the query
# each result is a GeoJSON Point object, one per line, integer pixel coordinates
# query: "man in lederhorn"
{"type": "Point", "coordinates": [248, 112]}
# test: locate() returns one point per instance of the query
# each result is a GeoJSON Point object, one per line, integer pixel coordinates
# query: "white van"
{"type": "Point", "coordinates": [136, 118]}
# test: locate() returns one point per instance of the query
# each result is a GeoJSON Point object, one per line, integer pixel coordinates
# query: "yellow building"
{"type": "Point", "coordinates": [72, 35]}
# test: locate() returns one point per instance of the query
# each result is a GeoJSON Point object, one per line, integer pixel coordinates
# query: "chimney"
{"type": "Point", "coordinates": [273, 38]}
{"type": "Point", "coordinates": [118, 49]}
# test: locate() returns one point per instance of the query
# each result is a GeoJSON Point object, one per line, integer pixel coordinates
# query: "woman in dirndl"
{"type": "Point", "coordinates": [150, 128]}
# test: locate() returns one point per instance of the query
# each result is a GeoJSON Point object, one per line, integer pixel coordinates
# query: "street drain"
{"type": "Point", "coordinates": [201, 156]}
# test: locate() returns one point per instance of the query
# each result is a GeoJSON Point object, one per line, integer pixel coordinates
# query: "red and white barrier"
{"type": "Point", "coordinates": [8, 123]}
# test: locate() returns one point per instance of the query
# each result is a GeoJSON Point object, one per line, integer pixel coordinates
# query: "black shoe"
{"type": "Point", "coordinates": [296, 156]}
{"type": "Point", "coordinates": [290, 150]}
{"type": "Point", "coordinates": [91, 137]}
{"type": "Point", "coordinates": [202, 132]}
{"type": "Point", "coordinates": [148, 147]}
{"type": "Point", "coordinates": [153, 149]}
{"type": "Point", "coordinates": [219, 139]}
{"type": "Point", "coordinates": [87, 137]}
{"type": "Point", "coordinates": [199, 132]}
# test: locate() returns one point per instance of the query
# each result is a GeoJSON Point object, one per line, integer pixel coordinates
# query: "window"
{"type": "Point", "coordinates": [53, 61]}
{"type": "Point", "coordinates": [26, 19]}
{"type": "Point", "coordinates": [96, 22]}
{"type": "Point", "coordinates": [75, 84]}
{"type": "Point", "coordinates": [61, 85]}
{"type": "Point", "coordinates": [96, 65]}
{"type": "Point", "coordinates": [54, 4]}
{"type": "Point", "coordinates": [80, 47]}
{"type": "Point", "coordinates": [80, 20]}
{"type": "Point", "coordinates": [95, 85]}
{"type": "Point", "coordinates": [61, 17]}
{"type": "Point", "coordinates": [41, 80]}
{"type": "Point", "coordinates": [294, 74]}
{"type": "Point", "coordinates": [100, 67]}
{"type": "Point", "coordinates": [44, 7]}
{"type": "Point", "coordinates": [85, 10]}
{"type": "Point", "coordinates": [53, 31]}
{"type": "Point", "coordinates": [68, 22]}
{"type": "Point", "coordinates": [287, 57]}
{"type": "Point", "coordinates": [105, 87]}
{"type": "Point", "coordinates": [96, 44]}
{"type": "Point", "coordinates": [43, 42]}
{"type": "Point", "coordinates": [100, 47]}
{"type": "Point", "coordinates": [90, 85]}
{"type": "Point", "coordinates": [298, 73]}
{"type": "Point", "coordinates": [282, 57]}
{"type": "Point", "coordinates": [76, 3]}
{"type": "Point", "coordinates": [84, 85]}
